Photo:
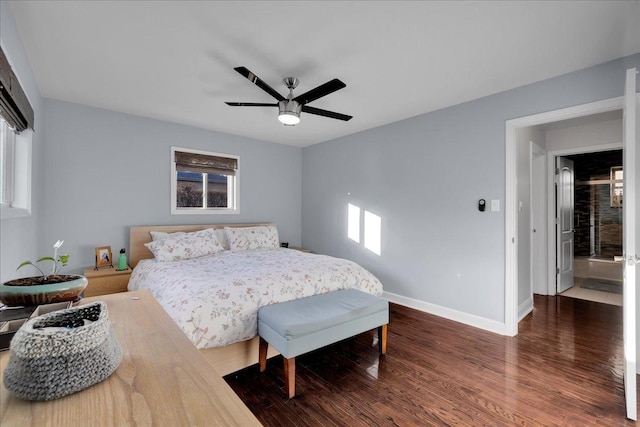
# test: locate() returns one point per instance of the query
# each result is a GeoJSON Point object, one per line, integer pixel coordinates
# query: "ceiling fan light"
{"type": "Point", "coordinates": [289, 112]}
{"type": "Point", "coordinates": [289, 119]}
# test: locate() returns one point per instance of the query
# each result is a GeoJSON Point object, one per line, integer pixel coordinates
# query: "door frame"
{"type": "Point", "coordinates": [511, 196]}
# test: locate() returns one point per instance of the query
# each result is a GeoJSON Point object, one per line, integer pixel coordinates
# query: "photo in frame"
{"type": "Point", "coordinates": [103, 257]}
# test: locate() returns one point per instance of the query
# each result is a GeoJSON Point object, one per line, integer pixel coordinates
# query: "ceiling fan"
{"type": "Point", "coordinates": [290, 107]}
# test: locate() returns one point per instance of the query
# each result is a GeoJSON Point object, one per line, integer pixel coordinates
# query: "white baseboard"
{"type": "Point", "coordinates": [525, 308]}
{"type": "Point", "coordinates": [448, 313]}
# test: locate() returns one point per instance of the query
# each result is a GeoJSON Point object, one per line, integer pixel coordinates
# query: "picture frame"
{"type": "Point", "coordinates": [104, 257]}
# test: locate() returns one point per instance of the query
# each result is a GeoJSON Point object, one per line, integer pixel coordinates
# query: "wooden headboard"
{"type": "Point", "coordinates": [140, 235]}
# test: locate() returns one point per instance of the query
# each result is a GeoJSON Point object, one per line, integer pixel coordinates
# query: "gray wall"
{"type": "Point", "coordinates": [19, 237]}
{"type": "Point", "coordinates": [107, 171]}
{"type": "Point", "coordinates": [578, 134]}
{"type": "Point", "coordinates": [96, 172]}
{"type": "Point", "coordinates": [424, 176]}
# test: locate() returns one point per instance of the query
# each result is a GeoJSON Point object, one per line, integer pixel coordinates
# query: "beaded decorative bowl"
{"type": "Point", "coordinates": [36, 291]}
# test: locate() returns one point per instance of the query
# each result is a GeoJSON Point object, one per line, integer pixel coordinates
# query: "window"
{"type": "Point", "coordinates": [15, 172]}
{"type": "Point", "coordinates": [617, 184]}
{"type": "Point", "coordinates": [16, 133]}
{"type": "Point", "coordinates": [203, 182]}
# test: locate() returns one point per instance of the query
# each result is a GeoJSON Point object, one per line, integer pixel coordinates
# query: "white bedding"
{"type": "Point", "coordinates": [215, 299]}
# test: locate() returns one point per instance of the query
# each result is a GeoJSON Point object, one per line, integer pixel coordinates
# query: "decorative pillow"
{"type": "Point", "coordinates": [244, 238]}
{"type": "Point", "coordinates": [185, 246]}
{"type": "Point", "coordinates": [161, 235]}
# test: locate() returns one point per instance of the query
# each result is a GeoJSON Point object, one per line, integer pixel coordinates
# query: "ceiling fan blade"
{"type": "Point", "coordinates": [320, 91]}
{"type": "Point", "coordinates": [250, 104]}
{"type": "Point", "coordinates": [258, 82]}
{"type": "Point", "coordinates": [325, 113]}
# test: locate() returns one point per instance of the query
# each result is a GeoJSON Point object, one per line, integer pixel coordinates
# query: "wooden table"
{"type": "Point", "coordinates": [162, 381]}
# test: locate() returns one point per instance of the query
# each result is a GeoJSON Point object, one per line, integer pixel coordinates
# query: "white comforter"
{"type": "Point", "coordinates": [215, 299]}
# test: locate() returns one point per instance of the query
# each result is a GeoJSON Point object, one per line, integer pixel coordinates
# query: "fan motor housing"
{"type": "Point", "coordinates": [289, 107]}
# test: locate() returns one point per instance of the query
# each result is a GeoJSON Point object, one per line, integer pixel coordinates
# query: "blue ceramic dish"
{"type": "Point", "coordinates": [21, 292]}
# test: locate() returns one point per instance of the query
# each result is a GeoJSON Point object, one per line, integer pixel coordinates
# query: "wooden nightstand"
{"type": "Point", "coordinates": [300, 249]}
{"type": "Point", "coordinates": [106, 281]}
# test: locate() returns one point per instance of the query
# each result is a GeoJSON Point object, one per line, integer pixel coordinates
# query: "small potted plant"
{"type": "Point", "coordinates": [46, 288]}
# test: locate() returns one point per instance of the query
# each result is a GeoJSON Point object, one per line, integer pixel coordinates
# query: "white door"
{"type": "Point", "coordinates": [631, 238]}
{"type": "Point", "coordinates": [539, 222]}
{"type": "Point", "coordinates": [564, 224]}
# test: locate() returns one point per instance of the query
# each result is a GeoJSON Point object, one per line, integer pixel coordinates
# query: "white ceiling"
{"type": "Point", "coordinates": [174, 60]}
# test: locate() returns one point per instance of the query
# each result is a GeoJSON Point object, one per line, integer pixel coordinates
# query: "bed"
{"type": "Point", "coordinates": [214, 298]}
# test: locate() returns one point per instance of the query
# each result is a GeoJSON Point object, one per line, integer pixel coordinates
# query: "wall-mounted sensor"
{"type": "Point", "coordinates": [482, 205]}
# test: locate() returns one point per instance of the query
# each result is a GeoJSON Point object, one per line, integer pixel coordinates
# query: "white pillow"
{"type": "Point", "coordinates": [160, 235]}
{"type": "Point", "coordinates": [220, 235]}
{"type": "Point", "coordinates": [185, 246]}
{"type": "Point", "coordinates": [245, 238]}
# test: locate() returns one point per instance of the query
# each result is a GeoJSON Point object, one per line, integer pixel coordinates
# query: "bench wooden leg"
{"type": "Point", "coordinates": [382, 338]}
{"type": "Point", "coordinates": [262, 354]}
{"type": "Point", "coordinates": [290, 376]}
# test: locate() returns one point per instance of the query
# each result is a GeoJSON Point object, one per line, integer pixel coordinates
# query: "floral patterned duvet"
{"type": "Point", "coordinates": [215, 299]}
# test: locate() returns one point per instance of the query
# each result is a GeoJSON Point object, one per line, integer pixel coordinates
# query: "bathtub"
{"type": "Point", "coordinates": [597, 268]}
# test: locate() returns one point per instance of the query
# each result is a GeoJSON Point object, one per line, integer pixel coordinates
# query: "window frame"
{"type": "Point", "coordinates": [233, 186]}
{"type": "Point", "coordinates": [616, 188]}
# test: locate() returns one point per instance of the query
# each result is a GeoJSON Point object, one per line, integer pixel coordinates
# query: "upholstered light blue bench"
{"type": "Point", "coordinates": [299, 326]}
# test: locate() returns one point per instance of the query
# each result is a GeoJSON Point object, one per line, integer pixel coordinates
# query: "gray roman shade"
{"type": "Point", "coordinates": [202, 163]}
{"type": "Point", "coordinates": [15, 108]}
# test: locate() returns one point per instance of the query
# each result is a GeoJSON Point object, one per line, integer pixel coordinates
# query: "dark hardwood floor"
{"type": "Point", "coordinates": [563, 369]}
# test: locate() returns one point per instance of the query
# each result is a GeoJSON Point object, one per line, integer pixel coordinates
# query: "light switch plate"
{"type": "Point", "coordinates": [495, 206]}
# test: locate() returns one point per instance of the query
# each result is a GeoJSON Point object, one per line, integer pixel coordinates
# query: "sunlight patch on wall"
{"type": "Point", "coordinates": [372, 232]}
{"type": "Point", "coordinates": [372, 228]}
{"type": "Point", "coordinates": [353, 223]}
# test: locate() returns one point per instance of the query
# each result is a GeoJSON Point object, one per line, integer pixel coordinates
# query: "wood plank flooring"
{"type": "Point", "coordinates": [563, 369]}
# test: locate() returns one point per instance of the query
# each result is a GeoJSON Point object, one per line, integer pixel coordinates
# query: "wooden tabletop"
{"type": "Point", "coordinates": [163, 380]}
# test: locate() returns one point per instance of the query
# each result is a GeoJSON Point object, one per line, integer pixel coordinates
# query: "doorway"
{"type": "Point", "coordinates": [582, 152]}
{"type": "Point", "coordinates": [513, 309]}
{"type": "Point", "coordinates": [545, 154]}
{"type": "Point", "coordinates": [597, 253]}
{"type": "Point", "coordinates": [630, 104]}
